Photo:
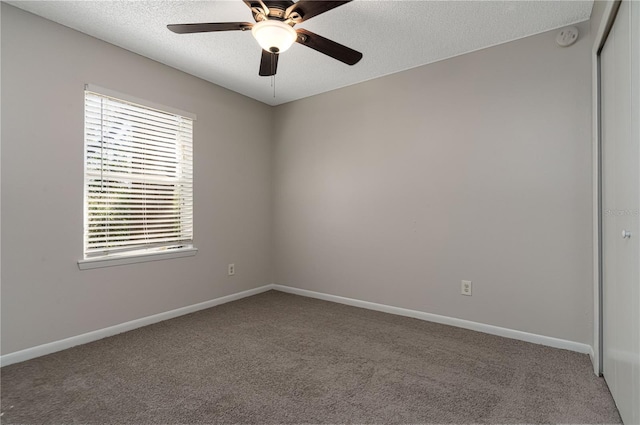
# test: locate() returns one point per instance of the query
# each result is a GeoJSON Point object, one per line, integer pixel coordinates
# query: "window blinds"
{"type": "Point", "coordinates": [138, 177]}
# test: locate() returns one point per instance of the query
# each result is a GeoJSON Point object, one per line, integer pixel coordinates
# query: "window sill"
{"type": "Point", "coordinates": [119, 260]}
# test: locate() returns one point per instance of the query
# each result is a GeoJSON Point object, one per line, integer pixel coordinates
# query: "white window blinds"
{"type": "Point", "coordinates": [138, 177]}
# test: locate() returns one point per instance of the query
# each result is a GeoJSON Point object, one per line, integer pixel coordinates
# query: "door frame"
{"type": "Point", "coordinates": [600, 37]}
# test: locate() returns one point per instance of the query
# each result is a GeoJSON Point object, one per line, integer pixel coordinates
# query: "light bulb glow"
{"type": "Point", "coordinates": [274, 36]}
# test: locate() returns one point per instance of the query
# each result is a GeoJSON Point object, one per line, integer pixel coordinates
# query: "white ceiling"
{"type": "Point", "coordinates": [392, 35]}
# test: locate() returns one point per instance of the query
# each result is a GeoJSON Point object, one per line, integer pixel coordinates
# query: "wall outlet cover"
{"type": "Point", "coordinates": [465, 288]}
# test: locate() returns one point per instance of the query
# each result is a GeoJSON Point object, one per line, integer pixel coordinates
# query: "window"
{"type": "Point", "coordinates": [138, 180]}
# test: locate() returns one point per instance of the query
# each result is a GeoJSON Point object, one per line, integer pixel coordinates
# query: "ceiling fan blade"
{"type": "Point", "coordinates": [210, 27]}
{"type": "Point", "coordinates": [307, 9]}
{"type": "Point", "coordinates": [268, 64]}
{"type": "Point", "coordinates": [328, 47]}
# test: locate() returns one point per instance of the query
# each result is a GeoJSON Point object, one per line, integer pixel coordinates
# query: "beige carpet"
{"type": "Point", "coordinates": [280, 358]}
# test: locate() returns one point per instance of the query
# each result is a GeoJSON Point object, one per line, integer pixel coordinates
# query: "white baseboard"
{"type": "Point", "coordinates": [594, 361]}
{"type": "Point", "coordinates": [63, 344]}
{"type": "Point", "coordinates": [445, 320]}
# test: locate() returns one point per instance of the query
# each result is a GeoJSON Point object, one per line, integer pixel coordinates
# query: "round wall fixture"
{"type": "Point", "coordinates": [567, 36]}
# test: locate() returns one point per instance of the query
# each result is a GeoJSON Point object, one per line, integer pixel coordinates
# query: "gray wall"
{"type": "Point", "coordinates": [390, 191]}
{"type": "Point", "coordinates": [476, 167]}
{"type": "Point", "coordinates": [44, 295]}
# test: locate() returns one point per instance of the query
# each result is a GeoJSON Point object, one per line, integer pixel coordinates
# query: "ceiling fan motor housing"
{"type": "Point", "coordinates": [275, 10]}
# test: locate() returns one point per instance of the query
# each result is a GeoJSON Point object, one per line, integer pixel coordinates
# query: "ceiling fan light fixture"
{"type": "Point", "coordinates": [274, 36]}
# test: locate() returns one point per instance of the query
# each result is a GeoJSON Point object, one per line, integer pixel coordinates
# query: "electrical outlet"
{"type": "Point", "coordinates": [231, 270]}
{"type": "Point", "coordinates": [465, 288]}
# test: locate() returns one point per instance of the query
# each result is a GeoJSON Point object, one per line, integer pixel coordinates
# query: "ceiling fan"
{"type": "Point", "coordinates": [274, 31]}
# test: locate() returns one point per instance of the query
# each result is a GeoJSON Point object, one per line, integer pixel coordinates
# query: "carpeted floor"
{"type": "Point", "coordinates": [280, 358]}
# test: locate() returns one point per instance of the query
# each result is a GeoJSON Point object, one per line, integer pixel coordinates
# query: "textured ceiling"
{"type": "Point", "coordinates": [392, 35]}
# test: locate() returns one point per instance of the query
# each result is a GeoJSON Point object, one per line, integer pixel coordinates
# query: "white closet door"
{"type": "Point", "coordinates": [620, 106]}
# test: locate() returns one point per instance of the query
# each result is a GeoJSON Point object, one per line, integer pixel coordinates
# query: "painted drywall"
{"type": "Point", "coordinates": [45, 297]}
{"type": "Point", "coordinates": [477, 167]}
{"type": "Point", "coordinates": [390, 191]}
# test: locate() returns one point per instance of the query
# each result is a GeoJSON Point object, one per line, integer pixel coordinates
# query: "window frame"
{"type": "Point", "coordinates": [142, 254]}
